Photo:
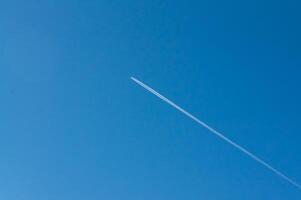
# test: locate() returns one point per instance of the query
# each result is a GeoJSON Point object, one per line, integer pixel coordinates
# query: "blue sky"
{"type": "Point", "coordinates": [74, 126]}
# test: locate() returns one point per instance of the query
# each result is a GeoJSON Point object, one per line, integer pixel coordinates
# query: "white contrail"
{"type": "Point", "coordinates": [212, 130]}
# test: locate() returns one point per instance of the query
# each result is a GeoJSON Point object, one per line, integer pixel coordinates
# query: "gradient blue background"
{"type": "Point", "coordinates": [74, 126]}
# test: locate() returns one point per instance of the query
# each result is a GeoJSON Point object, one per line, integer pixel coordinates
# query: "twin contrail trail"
{"type": "Point", "coordinates": [217, 133]}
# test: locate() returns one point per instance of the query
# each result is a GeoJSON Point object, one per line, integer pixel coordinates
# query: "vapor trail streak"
{"type": "Point", "coordinates": [217, 133]}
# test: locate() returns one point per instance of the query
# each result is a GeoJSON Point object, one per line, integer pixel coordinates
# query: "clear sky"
{"type": "Point", "coordinates": [74, 126]}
